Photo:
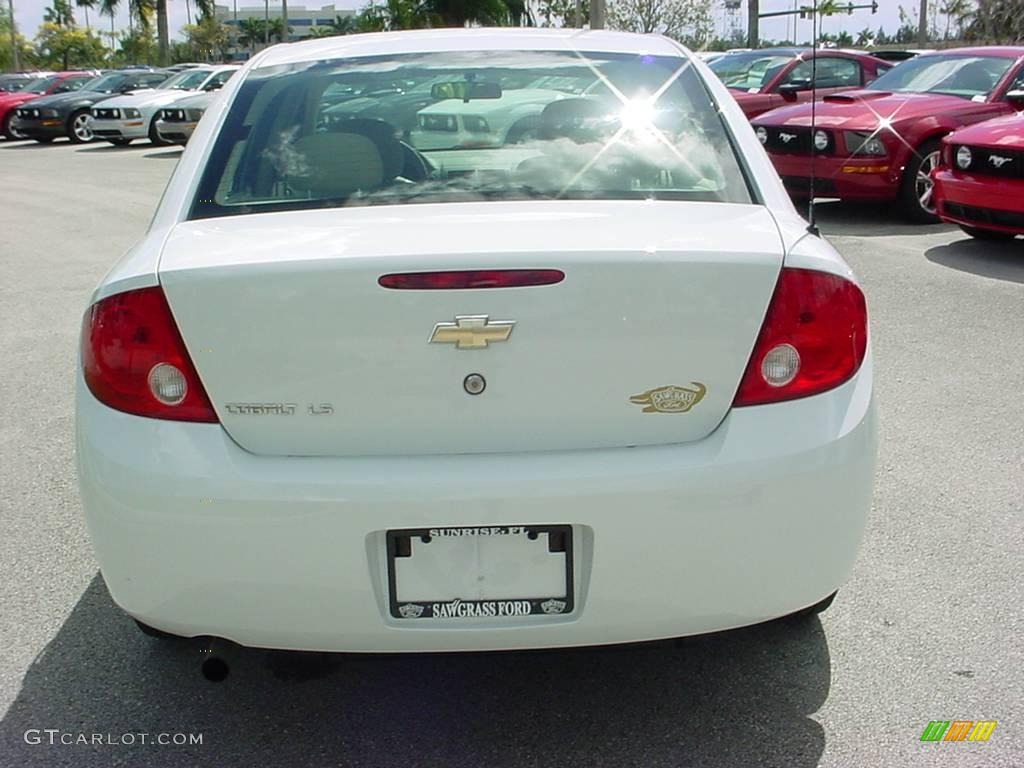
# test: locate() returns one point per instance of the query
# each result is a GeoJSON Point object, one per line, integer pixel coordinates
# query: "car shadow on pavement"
{"type": "Point", "coordinates": [1000, 260]}
{"type": "Point", "coordinates": [167, 154]}
{"type": "Point", "coordinates": [25, 144]}
{"type": "Point", "coordinates": [845, 218]}
{"type": "Point", "coordinates": [99, 147]}
{"type": "Point", "coordinates": [740, 698]}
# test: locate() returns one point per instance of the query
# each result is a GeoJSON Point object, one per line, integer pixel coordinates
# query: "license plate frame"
{"type": "Point", "coordinates": [559, 535]}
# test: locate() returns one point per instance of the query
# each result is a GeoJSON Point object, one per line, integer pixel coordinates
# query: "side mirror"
{"type": "Point", "coordinates": [789, 91]}
{"type": "Point", "coordinates": [213, 87]}
{"type": "Point", "coordinates": [1016, 100]}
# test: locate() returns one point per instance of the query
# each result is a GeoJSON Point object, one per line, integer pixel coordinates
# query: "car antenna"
{"type": "Point", "coordinates": [812, 225]}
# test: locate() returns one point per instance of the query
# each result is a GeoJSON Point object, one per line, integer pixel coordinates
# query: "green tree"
{"type": "Point", "coordinates": [395, 14]}
{"type": "Point", "coordinates": [561, 13]}
{"type": "Point", "coordinates": [65, 47]}
{"type": "Point", "coordinates": [956, 12]}
{"type": "Point", "coordinates": [340, 25]}
{"type": "Point", "coordinates": [689, 21]}
{"type": "Point", "coordinates": [995, 21]}
{"type": "Point", "coordinates": [459, 13]}
{"type": "Point", "coordinates": [250, 33]}
{"type": "Point", "coordinates": [59, 14]}
{"type": "Point", "coordinates": [85, 5]}
{"type": "Point", "coordinates": [206, 40]}
{"type": "Point", "coordinates": [26, 53]}
{"type": "Point", "coordinates": [204, 8]}
{"type": "Point", "coordinates": [137, 47]}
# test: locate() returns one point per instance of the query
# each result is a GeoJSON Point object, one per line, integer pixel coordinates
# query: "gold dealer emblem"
{"type": "Point", "coordinates": [670, 399]}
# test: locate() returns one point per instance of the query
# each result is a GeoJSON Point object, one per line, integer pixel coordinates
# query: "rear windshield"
{"type": "Point", "coordinates": [467, 127]}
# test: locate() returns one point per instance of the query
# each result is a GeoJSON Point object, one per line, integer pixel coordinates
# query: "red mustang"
{"type": "Point", "coordinates": [770, 78]}
{"type": "Point", "coordinates": [882, 142]}
{"type": "Point", "coordinates": [59, 82]}
{"type": "Point", "coordinates": [980, 185]}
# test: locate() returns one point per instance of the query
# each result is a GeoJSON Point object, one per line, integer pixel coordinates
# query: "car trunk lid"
{"type": "Point", "coordinates": [303, 352]}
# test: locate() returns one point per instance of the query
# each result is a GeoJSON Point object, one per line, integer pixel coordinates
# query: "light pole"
{"type": "Point", "coordinates": [597, 14]}
{"type": "Point", "coordinates": [266, 22]}
{"type": "Point", "coordinates": [284, 19]}
{"type": "Point", "coordinates": [14, 38]}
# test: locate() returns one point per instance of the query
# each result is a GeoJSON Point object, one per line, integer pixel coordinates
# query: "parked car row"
{"type": "Point", "coordinates": [882, 132]}
{"type": "Point", "coordinates": [875, 130]}
{"type": "Point", "coordinates": [118, 106]}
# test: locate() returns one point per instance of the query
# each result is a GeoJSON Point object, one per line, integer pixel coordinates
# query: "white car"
{"type": "Point", "coordinates": [599, 387]}
{"type": "Point", "coordinates": [176, 123]}
{"type": "Point", "coordinates": [123, 119]}
{"type": "Point", "coordinates": [509, 118]}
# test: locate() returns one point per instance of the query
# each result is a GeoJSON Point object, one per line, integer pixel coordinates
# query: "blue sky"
{"type": "Point", "coordinates": [29, 14]}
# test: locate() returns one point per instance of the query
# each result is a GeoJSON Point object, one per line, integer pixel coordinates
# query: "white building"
{"type": "Point", "coordinates": [300, 19]}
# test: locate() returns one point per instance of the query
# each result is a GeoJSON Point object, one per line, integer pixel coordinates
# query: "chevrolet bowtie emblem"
{"type": "Point", "coordinates": [471, 331]}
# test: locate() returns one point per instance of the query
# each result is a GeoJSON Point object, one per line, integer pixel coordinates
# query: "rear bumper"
{"type": "Point", "coordinates": [848, 179]}
{"type": "Point", "coordinates": [196, 536]}
{"type": "Point", "coordinates": [974, 201]}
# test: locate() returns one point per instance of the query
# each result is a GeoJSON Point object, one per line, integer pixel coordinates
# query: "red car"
{"type": "Point", "coordinates": [770, 78]}
{"type": "Point", "coordinates": [980, 185]}
{"type": "Point", "coordinates": [882, 142]}
{"type": "Point", "coordinates": [59, 82]}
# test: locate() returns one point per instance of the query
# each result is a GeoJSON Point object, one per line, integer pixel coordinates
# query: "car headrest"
{"type": "Point", "coordinates": [336, 164]}
{"type": "Point", "coordinates": [382, 135]}
{"type": "Point", "coordinates": [572, 118]}
{"type": "Point", "coordinates": [973, 77]}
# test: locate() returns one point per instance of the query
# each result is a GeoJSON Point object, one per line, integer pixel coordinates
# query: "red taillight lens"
{"type": "Point", "coordinates": [134, 359]}
{"type": "Point", "coordinates": [470, 278]}
{"type": "Point", "coordinates": [813, 338]}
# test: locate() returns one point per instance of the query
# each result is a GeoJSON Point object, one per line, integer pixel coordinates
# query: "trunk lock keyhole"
{"type": "Point", "coordinates": [474, 384]}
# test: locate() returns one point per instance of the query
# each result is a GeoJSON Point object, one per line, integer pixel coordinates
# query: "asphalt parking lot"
{"type": "Point", "coordinates": [929, 627]}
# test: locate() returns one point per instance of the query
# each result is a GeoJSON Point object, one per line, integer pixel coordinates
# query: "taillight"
{"type": "Point", "coordinates": [134, 359]}
{"type": "Point", "coordinates": [813, 339]}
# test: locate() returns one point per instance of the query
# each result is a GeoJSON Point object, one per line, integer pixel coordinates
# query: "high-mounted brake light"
{"type": "Point", "coordinates": [814, 338]}
{"type": "Point", "coordinates": [470, 278]}
{"type": "Point", "coordinates": [134, 360]}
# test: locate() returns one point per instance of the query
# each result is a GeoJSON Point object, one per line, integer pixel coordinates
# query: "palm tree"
{"type": "Point", "coordinates": [140, 11]}
{"type": "Point", "coordinates": [203, 8]}
{"type": "Point", "coordinates": [250, 32]}
{"type": "Point", "coordinates": [955, 9]}
{"type": "Point", "coordinates": [60, 14]}
{"type": "Point", "coordinates": [458, 13]}
{"type": "Point", "coordinates": [344, 25]}
{"type": "Point", "coordinates": [340, 25]}
{"type": "Point", "coordinates": [86, 5]}
{"type": "Point", "coordinates": [277, 29]}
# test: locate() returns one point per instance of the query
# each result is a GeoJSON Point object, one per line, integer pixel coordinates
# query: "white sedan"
{"type": "Point", "coordinates": [595, 387]}
{"type": "Point", "coordinates": [122, 119]}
